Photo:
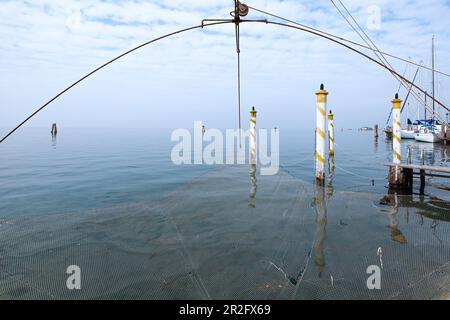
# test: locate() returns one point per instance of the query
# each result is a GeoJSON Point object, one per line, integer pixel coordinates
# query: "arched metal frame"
{"type": "Point", "coordinates": [201, 26]}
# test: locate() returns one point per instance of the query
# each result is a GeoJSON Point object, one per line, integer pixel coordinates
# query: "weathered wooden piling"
{"type": "Point", "coordinates": [422, 173]}
{"type": "Point", "coordinates": [253, 136]}
{"type": "Point", "coordinates": [409, 155]}
{"type": "Point", "coordinates": [54, 130]}
{"type": "Point", "coordinates": [320, 206]}
{"type": "Point", "coordinates": [331, 133]}
{"type": "Point", "coordinates": [321, 111]}
{"type": "Point", "coordinates": [376, 131]}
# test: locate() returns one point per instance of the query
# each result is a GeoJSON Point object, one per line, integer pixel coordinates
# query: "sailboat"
{"type": "Point", "coordinates": [410, 131]}
{"type": "Point", "coordinates": [429, 131]}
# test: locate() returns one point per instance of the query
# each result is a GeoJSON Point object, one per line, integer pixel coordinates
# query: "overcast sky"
{"type": "Point", "coordinates": [45, 45]}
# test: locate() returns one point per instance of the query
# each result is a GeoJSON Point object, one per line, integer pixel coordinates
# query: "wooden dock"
{"type": "Point", "coordinates": [407, 172]}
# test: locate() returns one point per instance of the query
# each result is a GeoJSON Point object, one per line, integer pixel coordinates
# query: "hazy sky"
{"type": "Point", "coordinates": [45, 45]}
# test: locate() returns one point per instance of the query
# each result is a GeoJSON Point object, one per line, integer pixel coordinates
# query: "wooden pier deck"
{"type": "Point", "coordinates": [409, 170]}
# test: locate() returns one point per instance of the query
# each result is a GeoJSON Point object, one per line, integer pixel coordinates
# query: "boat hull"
{"type": "Point", "coordinates": [427, 137]}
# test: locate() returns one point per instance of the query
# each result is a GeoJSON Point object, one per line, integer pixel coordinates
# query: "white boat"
{"type": "Point", "coordinates": [408, 134]}
{"type": "Point", "coordinates": [428, 134]}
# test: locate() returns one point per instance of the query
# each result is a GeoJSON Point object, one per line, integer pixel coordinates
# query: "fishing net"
{"type": "Point", "coordinates": [233, 235]}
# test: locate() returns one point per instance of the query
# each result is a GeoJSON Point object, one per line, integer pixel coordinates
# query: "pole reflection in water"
{"type": "Point", "coordinates": [321, 223]}
{"type": "Point", "coordinates": [331, 167]}
{"type": "Point", "coordinates": [54, 140]}
{"type": "Point", "coordinates": [445, 153]}
{"type": "Point", "coordinates": [396, 234]}
{"type": "Point", "coordinates": [253, 186]}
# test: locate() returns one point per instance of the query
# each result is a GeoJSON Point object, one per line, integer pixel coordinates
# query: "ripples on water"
{"type": "Point", "coordinates": [111, 202]}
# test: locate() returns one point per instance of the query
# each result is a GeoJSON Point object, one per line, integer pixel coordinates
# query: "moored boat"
{"type": "Point", "coordinates": [389, 133]}
{"type": "Point", "coordinates": [428, 134]}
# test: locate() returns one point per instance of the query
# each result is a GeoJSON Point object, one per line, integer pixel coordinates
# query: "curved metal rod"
{"type": "Point", "coordinates": [354, 50]}
{"type": "Point", "coordinates": [103, 66]}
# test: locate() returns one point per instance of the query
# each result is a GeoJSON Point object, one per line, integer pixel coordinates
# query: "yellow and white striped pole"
{"type": "Point", "coordinates": [331, 133]}
{"type": "Point", "coordinates": [253, 136]}
{"type": "Point", "coordinates": [397, 130]}
{"type": "Point", "coordinates": [321, 112]}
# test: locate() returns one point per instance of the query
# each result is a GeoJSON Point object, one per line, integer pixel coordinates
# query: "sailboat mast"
{"type": "Point", "coordinates": [432, 63]}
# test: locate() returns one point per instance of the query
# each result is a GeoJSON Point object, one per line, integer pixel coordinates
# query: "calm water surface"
{"type": "Point", "coordinates": [112, 202]}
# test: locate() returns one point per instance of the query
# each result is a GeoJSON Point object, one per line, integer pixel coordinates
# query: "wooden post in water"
{"type": "Point", "coordinates": [320, 206]}
{"type": "Point", "coordinates": [446, 134]}
{"type": "Point", "coordinates": [422, 174]}
{"type": "Point", "coordinates": [321, 112]}
{"type": "Point", "coordinates": [331, 133]}
{"type": "Point", "coordinates": [409, 155]}
{"type": "Point", "coordinates": [253, 137]}
{"type": "Point", "coordinates": [54, 130]}
{"type": "Point", "coordinates": [376, 131]}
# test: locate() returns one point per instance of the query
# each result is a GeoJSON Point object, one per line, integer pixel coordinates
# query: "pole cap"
{"type": "Point", "coordinates": [253, 112]}
{"type": "Point", "coordinates": [322, 90]}
{"type": "Point", "coordinates": [397, 101]}
{"type": "Point", "coordinates": [330, 115]}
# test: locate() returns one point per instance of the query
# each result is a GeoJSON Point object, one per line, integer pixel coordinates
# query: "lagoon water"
{"type": "Point", "coordinates": [140, 227]}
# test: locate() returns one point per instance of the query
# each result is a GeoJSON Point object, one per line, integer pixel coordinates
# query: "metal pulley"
{"type": "Point", "coordinates": [242, 9]}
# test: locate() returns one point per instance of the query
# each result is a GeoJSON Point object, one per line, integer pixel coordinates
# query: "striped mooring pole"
{"type": "Point", "coordinates": [397, 129]}
{"type": "Point", "coordinates": [253, 136]}
{"type": "Point", "coordinates": [321, 112]}
{"type": "Point", "coordinates": [396, 177]}
{"type": "Point", "coordinates": [331, 133]}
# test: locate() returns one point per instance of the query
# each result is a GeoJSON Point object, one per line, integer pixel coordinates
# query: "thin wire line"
{"type": "Point", "coordinates": [390, 69]}
{"type": "Point", "coordinates": [341, 41]}
{"type": "Point", "coordinates": [238, 49]}
{"type": "Point", "coordinates": [365, 37]}
{"type": "Point", "coordinates": [347, 40]}
{"type": "Point", "coordinates": [382, 58]}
